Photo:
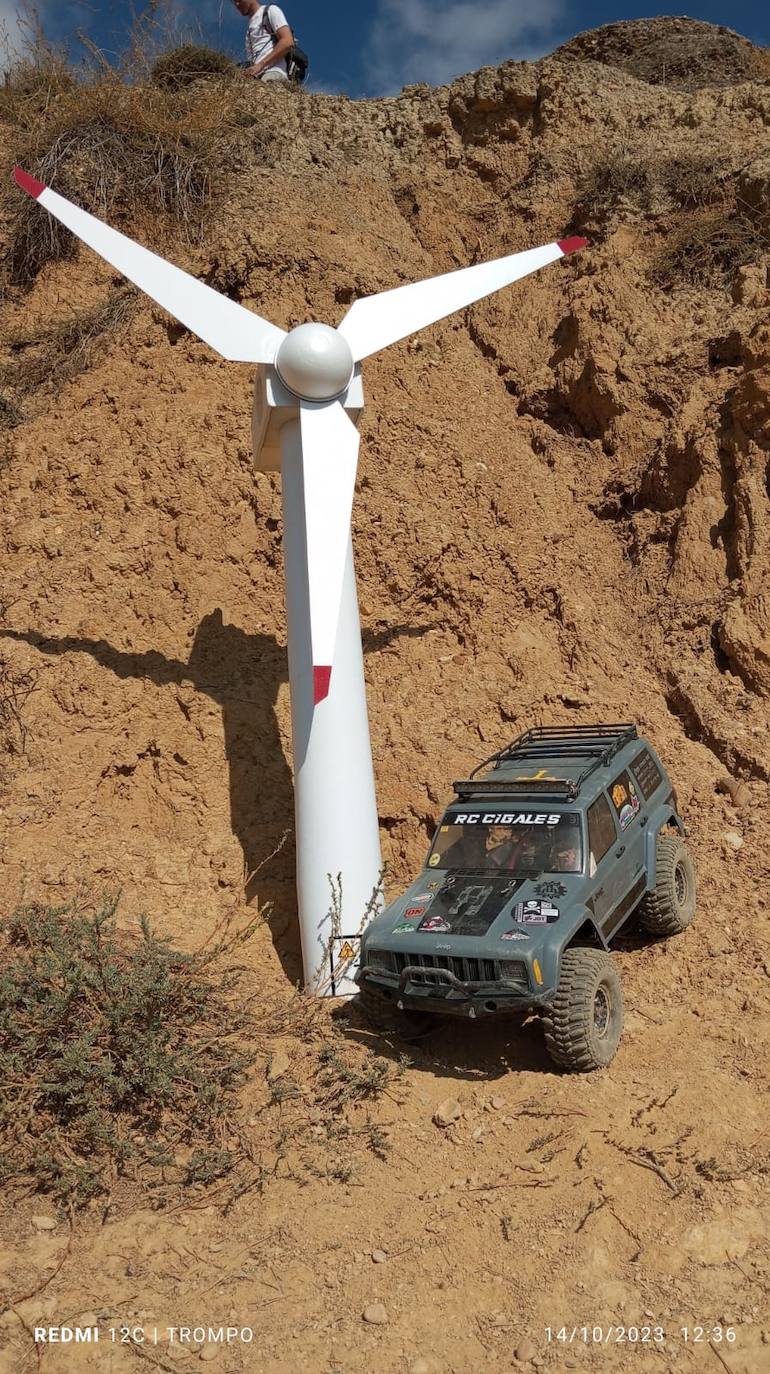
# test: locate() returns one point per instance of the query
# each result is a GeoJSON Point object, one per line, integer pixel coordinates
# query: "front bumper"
{"type": "Point", "coordinates": [438, 990]}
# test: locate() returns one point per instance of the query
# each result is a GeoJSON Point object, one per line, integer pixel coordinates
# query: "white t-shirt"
{"type": "Point", "coordinates": [259, 39]}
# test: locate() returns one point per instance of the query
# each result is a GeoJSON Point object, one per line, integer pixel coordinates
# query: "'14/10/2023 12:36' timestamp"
{"type": "Point", "coordinates": [640, 1335]}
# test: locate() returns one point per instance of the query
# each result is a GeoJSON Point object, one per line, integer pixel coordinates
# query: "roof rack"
{"type": "Point", "coordinates": [597, 743]}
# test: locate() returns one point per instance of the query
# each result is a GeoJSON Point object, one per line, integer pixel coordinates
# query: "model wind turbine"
{"type": "Point", "coordinates": [308, 397]}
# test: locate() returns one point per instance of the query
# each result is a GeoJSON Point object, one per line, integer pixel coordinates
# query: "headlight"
{"type": "Point", "coordinates": [377, 958]}
{"type": "Point", "coordinates": [514, 970]}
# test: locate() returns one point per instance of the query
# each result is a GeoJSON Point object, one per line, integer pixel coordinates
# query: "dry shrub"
{"type": "Point", "coordinates": [189, 63]}
{"type": "Point", "coordinates": [16, 686]}
{"type": "Point", "coordinates": [123, 1054]}
{"type": "Point", "coordinates": [627, 186]}
{"type": "Point", "coordinates": [10, 415]}
{"type": "Point", "coordinates": [57, 355]}
{"type": "Point", "coordinates": [122, 151]}
{"type": "Point", "coordinates": [29, 88]}
{"type": "Point", "coordinates": [706, 250]}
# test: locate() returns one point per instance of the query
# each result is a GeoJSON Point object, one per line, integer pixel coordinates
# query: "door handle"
{"type": "Point", "coordinates": [620, 852]}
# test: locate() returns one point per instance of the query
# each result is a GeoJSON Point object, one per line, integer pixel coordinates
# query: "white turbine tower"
{"type": "Point", "coordinates": [308, 397]}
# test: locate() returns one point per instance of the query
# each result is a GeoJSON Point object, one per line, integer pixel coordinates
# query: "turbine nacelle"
{"type": "Point", "coordinates": [315, 362]}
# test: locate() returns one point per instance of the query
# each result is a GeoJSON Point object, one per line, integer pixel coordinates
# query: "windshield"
{"type": "Point", "coordinates": [520, 842]}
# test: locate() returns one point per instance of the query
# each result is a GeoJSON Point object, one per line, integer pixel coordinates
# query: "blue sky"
{"type": "Point", "coordinates": [376, 48]}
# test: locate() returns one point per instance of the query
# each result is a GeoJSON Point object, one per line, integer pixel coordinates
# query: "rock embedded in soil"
{"type": "Point", "coordinates": [279, 1065]}
{"type": "Point", "coordinates": [379, 1256]}
{"type": "Point", "coordinates": [525, 1351]}
{"type": "Point", "coordinates": [375, 1315]}
{"type": "Point", "coordinates": [732, 839]}
{"type": "Point", "coordinates": [44, 1223]}
{"type": "Point", "coordinates": [447, 1112]}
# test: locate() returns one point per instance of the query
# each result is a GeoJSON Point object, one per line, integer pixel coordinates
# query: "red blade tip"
{"type": "Point", "coordinates": [27, 183]}
{"type": "Point", "coordinates": [572, 245]}
{"type": "Point", "coordinates": [321, 681]}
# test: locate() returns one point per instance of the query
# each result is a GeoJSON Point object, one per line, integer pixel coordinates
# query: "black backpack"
{"type": "Point", "coordinates": [297, 60]}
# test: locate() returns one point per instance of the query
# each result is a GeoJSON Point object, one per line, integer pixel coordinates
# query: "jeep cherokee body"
{"type": "Point", "coordinates": [553, 848]}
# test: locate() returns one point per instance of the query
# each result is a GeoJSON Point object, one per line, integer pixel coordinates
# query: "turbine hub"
{"type": "Point", "coordinates": [315, 362]}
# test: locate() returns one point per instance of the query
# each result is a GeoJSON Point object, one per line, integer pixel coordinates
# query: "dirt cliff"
{"type": "Point", "coordinates": [563, 513]}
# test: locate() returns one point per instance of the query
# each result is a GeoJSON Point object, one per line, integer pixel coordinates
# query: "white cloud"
{"type": "Point", "coordinates": [426, 40]}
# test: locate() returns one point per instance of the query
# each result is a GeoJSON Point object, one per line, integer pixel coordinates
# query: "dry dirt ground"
{"type": "Point", "coordinates": [563, 513]}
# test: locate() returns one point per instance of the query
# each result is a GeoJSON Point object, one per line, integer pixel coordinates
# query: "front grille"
{"type": "Point", "coordinates": [467, 970]}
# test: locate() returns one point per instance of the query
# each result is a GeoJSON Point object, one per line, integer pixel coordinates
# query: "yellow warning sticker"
{"type": "Point", "coordinates": [347, 951]}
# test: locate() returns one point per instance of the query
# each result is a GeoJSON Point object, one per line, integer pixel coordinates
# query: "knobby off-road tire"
{"type": "Point", "coordinates": [584, 1022]}
{"type": "Point", "coordinates": [670, 907]}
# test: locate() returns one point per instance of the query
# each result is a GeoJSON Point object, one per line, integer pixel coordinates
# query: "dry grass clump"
{"type": "Point", "coordinates": [16, 686]}
{"type": "Point", "coordinates": [627, 186]}
{"type": "Point", "coordinates": [189, 63]}
{"type": "Point", "coordinates": [47, 360]}
{"type": "Point", "coordinates": [30, 87]}
{"type": "Point", "coordinates": [10, 415]}
{"type": "Point", "coordinates": [707, 250]}
{"type": "Point", "coordinates": [121, 151]}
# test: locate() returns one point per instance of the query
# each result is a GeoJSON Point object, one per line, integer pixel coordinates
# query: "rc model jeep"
{"type": "Point", "coordinates": [535, 867]}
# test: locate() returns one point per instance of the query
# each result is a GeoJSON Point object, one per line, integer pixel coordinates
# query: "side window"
{"type": "Point", "coordinates": [625, 798]}
{"type": "Point", "coordinates": [647, 773]}
{"type": "Point", "coordinates": [601, 830]}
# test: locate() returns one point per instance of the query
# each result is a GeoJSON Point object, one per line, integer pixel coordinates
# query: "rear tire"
{"type": "Point", "coordinates": [584, 1023]}
{"type": "Point", "coordinates": [670, 907]}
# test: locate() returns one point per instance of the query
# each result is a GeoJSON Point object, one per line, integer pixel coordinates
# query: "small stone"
{"type": "Point", "coordinates": [525, 1351]}
{"type": "Point", "coordinates": [422, 1367]}
{"type": "Point", "coordinates": [44, 1223]}
{"type": "Point", "coordinates": [379, 1257]}
{"type": "Point", "coordinates": [447, 1112]}
{"type": "Point", "coordinates": [209, 1353]}
{"type": "Point", "coordinates": [736, 790]}
{"type": "Point", "coordinates": [497, 1103]}
{"type": "Point", "coordinates": [478, 1134]}
{"type": "Point", "coordinates": [375, 1314]}
{"type": "Point", "coordinates": [733, 839]}
{"type": "Point", "coordinates": [279, 1063]}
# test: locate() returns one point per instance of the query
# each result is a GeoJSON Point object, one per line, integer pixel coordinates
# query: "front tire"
{"type": "Point", "coordinates": [383, 1015]}
{"type": "Point", "coordinates": [584, 1022]}
{"type": "Point", "coordinates": [670, 907]}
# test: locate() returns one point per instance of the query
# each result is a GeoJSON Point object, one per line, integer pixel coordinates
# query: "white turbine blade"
{"type": "Point", "coordinates": [329, 460]}
{"type": "Point", "coordinates": [234, 332]}
{"type": "Point", "coordinates": [376, 321]}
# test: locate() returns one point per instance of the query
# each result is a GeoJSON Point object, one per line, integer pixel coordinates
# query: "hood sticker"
{"type": "Point", "coordinates": [406, 929]}
{"type": "Point", "coordinates": [550, 890]}
{"type": "Point", "coordinates": [514, 935]}
{"type": "Point", "coordinates": [412, 912]}
{"type": "Point", "coordinates": [537, 913]}
{"type": "Point", "coordinates": [432, 923]}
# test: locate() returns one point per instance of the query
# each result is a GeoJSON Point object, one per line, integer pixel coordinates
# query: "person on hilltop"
{"type": "Point", "coordinates": [268, 40]}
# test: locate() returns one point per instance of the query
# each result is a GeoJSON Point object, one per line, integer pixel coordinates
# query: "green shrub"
{"type": "Point", "coordinates": [115, 1052]}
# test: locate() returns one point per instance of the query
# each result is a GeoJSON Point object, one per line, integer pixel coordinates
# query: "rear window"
{"type": "Point", "coordinates": [601, 830]}
{"type": "Point", "coordinates": [647, 773]}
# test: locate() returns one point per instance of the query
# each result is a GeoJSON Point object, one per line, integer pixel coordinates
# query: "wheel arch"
{"type": "Point", "coordinates": [665, 820]}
